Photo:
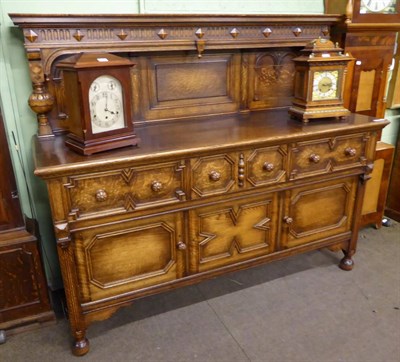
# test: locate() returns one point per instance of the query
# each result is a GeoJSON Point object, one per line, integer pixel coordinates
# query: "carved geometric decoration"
{"type": "Point", "coordinates": [162, 34]}
{"type": "Point", "coordinates": [231, 230]}
{"type": "Point", "coordinates": [325, 31]}
{"type": "Point", "coordinates": [78, 35]}
{"type": "Point", "coordinates": [127, 174]}
{"type": "Point", "coordinates": [199, 33]}
{"type": "Point", "coordinates": [234, 33]}
{"type": "Point", "coordinates": [31, 36]}
{"type": "Point", "coordinates": [122, 35]}
{"type": "Point", "coordinates": [267, 32]}
{"type": "Point", "coordinates": [297, 31]}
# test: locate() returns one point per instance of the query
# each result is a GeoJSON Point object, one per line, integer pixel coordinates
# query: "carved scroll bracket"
{"type": "Point", "coordinates": [41, 100]}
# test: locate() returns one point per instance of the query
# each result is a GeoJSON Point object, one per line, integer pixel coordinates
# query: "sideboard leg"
{"type": "Point", "coordinates": [347, 262]}
{"type": "Point", "coordinates": [81, 344]}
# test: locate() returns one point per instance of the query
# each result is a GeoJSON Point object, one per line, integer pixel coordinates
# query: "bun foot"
{"type": "Point", "coordinates": [80, 347]}
{"type": "Point", "coordinates": [346, 263]}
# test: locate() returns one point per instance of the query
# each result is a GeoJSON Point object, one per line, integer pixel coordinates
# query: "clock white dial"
{"type": "Point", "coordinates": [106, 104]}
{"type": "Point", "coordinates": [325, 85]}
{"type": "Point", "coordinates": [375, 6]}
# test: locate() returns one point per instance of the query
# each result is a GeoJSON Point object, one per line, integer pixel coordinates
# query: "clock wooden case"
{"type": "Point", "coordinates": [98, 97]}
{"type": "Point", "coordinates": [372, 11]}
{"type": "Point", "coordinates": [319, 79]}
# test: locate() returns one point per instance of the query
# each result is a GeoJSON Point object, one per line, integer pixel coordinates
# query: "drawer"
{"type": "Point", "coordinates": [326, 155]}
{"type": "Point", "coordinates": [125, 189]}
{"type": "Point", "coordinates": [266, 165]}
{"type": "Point", "coordinates": [213, 175]}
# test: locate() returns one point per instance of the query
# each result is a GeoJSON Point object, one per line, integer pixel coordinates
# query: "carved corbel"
{"type": "Point", "coordinates": [63, 235]}
{"type": "Point", "coordinates": [40, 101]}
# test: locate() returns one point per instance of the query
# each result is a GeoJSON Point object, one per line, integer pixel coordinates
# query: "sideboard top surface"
{"type": "Point", "coordinates": [196, 136]}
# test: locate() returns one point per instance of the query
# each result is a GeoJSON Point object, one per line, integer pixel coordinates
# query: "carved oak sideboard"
{"type": "Point", "coordinates": [223, 178]}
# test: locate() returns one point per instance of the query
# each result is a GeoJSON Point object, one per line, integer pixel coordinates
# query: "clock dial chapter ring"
{"type": "Point", "coordinates": [106, 108]}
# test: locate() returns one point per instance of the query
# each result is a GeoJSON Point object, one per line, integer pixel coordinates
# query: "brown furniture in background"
{"type": "Point", "coordinates": [377, 187]}
{"type": "Point", "coordinates": [24, 301]}
{"type": "Point", "coordinates": [370, 38]}
{"type": "Point", "coordinates": [223, 178]}
{"type": "Point", "coordinates": [393, 200]}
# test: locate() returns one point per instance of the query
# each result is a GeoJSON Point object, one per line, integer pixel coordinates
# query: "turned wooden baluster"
{"type": "Point", "coordinates": [40, 101]}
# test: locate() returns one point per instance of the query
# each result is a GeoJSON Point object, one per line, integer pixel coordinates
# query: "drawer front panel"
{"type": "Point", "coordinates": [266, 165]}
{"type": "Point", "coordinates": [128, 256]}
{"type": "Point", "coordinates": [318, 211]}
{"type": "Point", "coordinates": [213, 175]}
{"type": "Point", "coordinates": [126, 189]}
{"type": "Point", "coordinates": [330, 154]}
{"type": "Point", "coordinates": [232, 232]}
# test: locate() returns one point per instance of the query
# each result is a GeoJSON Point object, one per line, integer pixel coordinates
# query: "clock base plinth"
{"type": "Point", "coordinates": [305, 114]}
{"type": "Point", "coordinates": [88, 148]}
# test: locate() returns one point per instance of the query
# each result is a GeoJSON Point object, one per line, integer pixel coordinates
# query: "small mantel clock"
{"type": "Point", "coordinates": [319, 81]}
{"type": "Point", "coordinates": [98, 96]}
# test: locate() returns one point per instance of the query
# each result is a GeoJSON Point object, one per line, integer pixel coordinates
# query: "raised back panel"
{"type": "Point", "coordinates": [185, 85]}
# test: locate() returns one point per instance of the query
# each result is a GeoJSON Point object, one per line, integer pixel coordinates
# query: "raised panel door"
{"type": "Point", "coordinates": [315, 212]}
{"type": "Point", "coordinates": [128, 256]}
{"type": "Point", "coordinates": [233, 231]}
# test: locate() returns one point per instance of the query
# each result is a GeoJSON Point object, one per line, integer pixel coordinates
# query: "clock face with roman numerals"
{"type": "Point", "coordinates": [378, 6]}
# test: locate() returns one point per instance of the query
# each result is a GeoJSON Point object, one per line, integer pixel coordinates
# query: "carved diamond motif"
{"type": "Point", "coordinates": [122, 35]}
{"type": "Point", "coordinates": [162, 34]}
{"type": "Point", "coordinates": [267, 32]}
{"type": "Point", "coordinates": [78, 35]}
{"type": "Point", "coordinates": [199, 33]}
{"type": "Point", "coordinates": [31, 36]}
{"type": "Point", "coordinates": [234, 33]}
{"type": "Point", "coordinates": [297, 31]}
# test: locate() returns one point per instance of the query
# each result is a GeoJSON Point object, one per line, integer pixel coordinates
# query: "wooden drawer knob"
{"type": "Point", "coordinates": [349, 151]}
{"type": "Point", "coordinates": [314, 158]}
{"type": "Point", "coordinates": [268, 166]}
{"type": "Point", "coordinates": [101, 195]}
{"type": "Point", "coordinates": [156, 186]}
{"type": "Point", "coordinates": [287, 219]}
{"type": "Point", "coordinates": [214, 176]}
{"type": "Point", "coordinates": [181, 245]}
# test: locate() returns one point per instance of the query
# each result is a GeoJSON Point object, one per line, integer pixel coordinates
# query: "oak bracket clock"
{"type": "Point", "coordinates": [98, 97]}
{"type": "Point", "coordinates": [319, 81]}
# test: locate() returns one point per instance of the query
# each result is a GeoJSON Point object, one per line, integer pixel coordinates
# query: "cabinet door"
{"type": "Point", "coordinates": [318, 211]}
{"type": "Point", "coordinates": [118, 258]}
{"type": "Point", "coordinates": [232, 231]}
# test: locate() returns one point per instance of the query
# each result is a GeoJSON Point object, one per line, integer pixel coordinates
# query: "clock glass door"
{"type": "Point", "coordinates": [106, 104]}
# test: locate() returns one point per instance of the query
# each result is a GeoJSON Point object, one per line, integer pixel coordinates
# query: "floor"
{"type": "Point", "coordinates": [301, 309]}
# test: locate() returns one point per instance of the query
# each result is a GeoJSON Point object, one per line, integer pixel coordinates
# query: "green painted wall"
{"type": "Point", "coordinates": [15, 86]}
